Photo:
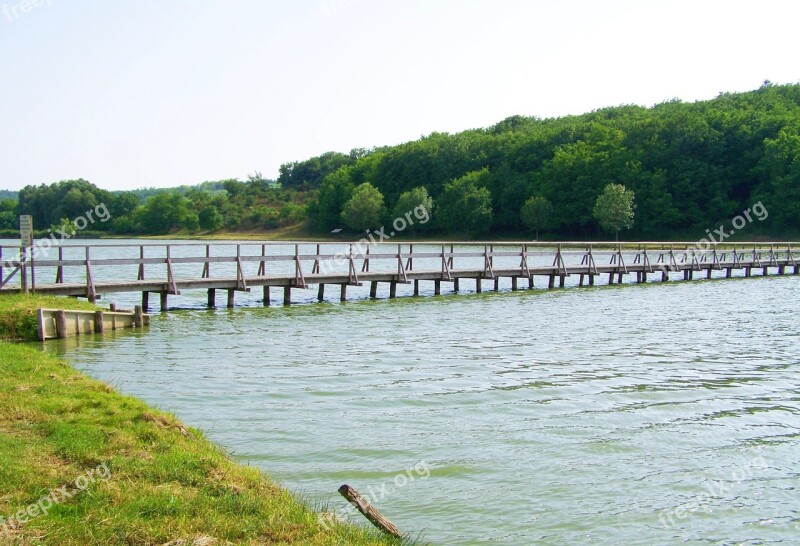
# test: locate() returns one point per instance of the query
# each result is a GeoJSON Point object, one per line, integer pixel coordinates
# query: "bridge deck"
{"type": "Point", "coordinates": [371, 267]}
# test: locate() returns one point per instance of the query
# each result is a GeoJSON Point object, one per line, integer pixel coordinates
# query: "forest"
{"type": "Point", "coordinates": [689, 166]}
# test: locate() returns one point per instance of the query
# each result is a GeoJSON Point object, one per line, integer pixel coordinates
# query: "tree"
{"type": "Point", "coordinates": [416, 202]}
{"type": "Point", "coordinates": [333, 194]}
{"type": "Point", "coordinates": [210, 219]}
{"type": "Point", "coordinates": [614, 208]}
{"type": "Point", "coordinates": [364, 209]}
{"type": "Point", "coordinates": [466, 204]}
{"type": "Point", "coordinates": [536, 213]}
{"type": "Point", "coordinates": [165, 212]}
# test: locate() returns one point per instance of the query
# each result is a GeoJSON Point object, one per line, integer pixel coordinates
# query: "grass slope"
{"type": "Point", "coordinates": [118, 472]}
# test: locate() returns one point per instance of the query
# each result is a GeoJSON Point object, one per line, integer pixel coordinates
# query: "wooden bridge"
{"type": "Point", "coordinates": [168, 269]}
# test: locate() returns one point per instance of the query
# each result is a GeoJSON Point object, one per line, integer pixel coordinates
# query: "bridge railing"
{"type": "Point", "coordinates": [306, 261]}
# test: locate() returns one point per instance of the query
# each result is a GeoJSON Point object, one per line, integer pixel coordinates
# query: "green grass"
{"type": "Point", "coordinates": [18, 313]}
{"type": "Point", "coordinates": [155, 480]}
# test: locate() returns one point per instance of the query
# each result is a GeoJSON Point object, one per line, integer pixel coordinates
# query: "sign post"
{"type": "Point", "coordinates": [26, 241]}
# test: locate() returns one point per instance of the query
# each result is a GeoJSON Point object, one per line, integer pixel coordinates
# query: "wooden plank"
{"type": "Point", "coordinates": [369, 511]}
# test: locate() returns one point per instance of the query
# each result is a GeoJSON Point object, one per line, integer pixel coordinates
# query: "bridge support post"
{"type": "Point", "coordinates": [392, 290]}
{"type": "Point", "coordinates": [729, 273]}
{"type": "Point", "coordinates": [321, 292]}
{"type": "Point", "coordinates": [708, 273]}
{"type": "Point", "coordinates": [766, 271]}
{"type": "Point", "coordinates": [416, 287]}
{"type": "Point", "coordinates": [164, 305]}
{"type": "Point", "coordinates": [231, 293]}
{"type": "Point", "coordinates": [343, 294]}
{"type": "Point", "coordinates": [644, 276]}
{"type": "Point", "coordinates": [581, 282]}
{"type": "Point", "coordinates": [781, 270]}
{"type": "Point", "coordinates": [591, 280]}
{"type": "Point", "coordinates": [373, 289]}
{"type": "Point", "coordinates": [561, 280]}
{"type": "Point", "coordinates": [266, 296]}
{"type": "Point", "coordinates": [619, 278]}
{"type": "Point", "coordinates": [530, 282]}
{"type": "Point", "coordinates": [551, 282]}
{"type": "Point", "coordinates": [478, 285]}
{"type": "Point", "coordinates": [748, 271]}
{"type": "Point", "coordinates": [145, 300]}
{"type": "Point", "coordinates": [611, 278]}
{"type": "Point", "coordinates": [455, 285]}
{"type": "Point", "coordinates": [212, 297]}
{"type": "Point", "coordinates": [797, 270]}
{"type": "Point", "coordinates": [437, 288]}
{"type": "Point", "coordinates": [664, 276]}
{"type": "Point", "coordinates": [514, 283]}
{"type": "Point", "coordinates": [496, 284]}
{"type": "Point", "coordinates": [287, 295]}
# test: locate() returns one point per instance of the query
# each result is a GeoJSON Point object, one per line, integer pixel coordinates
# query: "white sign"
{"type": "Point", "coordinates": [26, 230]}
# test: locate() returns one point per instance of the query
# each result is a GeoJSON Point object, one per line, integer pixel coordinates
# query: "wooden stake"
{"type": "Point", "coordinates": [369, 512]}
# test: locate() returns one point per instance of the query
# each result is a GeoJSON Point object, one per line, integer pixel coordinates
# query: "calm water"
{"type": "Point", "coordinates": [658, 414]}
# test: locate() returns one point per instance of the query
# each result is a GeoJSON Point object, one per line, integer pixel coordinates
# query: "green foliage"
{"type": "Point", "coordinates": [364, 209]}
{"type": "Point", "coordinates": [210, 219]}
{"type": "Point", "coordinates": [166, 212]}
{"type": "Point", "coordinates": [691, 166]}
{"type": "Point", "coordinates": [333, 194]}
{"type": "Point", "coordinates": [65, 225]}
{"type": "Point", "coordinates": [465, 205]}
{"type": "Point", "coordinates": [309, 174]}
{"type": "Point", "coordinates": [614, 208]}
{"type": "Point", "coordinates": [537, 213]}
{"type": "Point", "coordinates": [415, 199]}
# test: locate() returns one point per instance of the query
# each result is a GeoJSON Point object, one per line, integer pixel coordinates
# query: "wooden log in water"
{"type": "Point", "coordinates": [369, 511]}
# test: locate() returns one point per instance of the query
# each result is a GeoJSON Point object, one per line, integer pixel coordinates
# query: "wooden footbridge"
{"type": "Point", "coordinates": [93, 270]}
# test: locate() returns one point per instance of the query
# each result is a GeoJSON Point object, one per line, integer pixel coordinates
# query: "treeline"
{"type": "Point", "coordinates": [689, 166]}
{"type": "Point", "coordinates": [256, 204]}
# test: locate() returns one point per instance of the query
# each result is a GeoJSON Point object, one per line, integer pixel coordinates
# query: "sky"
{"type": "Point", "coordinates": [130, 94]}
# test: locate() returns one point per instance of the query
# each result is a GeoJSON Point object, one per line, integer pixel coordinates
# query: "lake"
{"type": "Point", "coordinates": [648, 414]}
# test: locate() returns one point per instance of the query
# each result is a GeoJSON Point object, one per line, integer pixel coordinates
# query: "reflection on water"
{"type": "Point", "coordinates": [655, 414]}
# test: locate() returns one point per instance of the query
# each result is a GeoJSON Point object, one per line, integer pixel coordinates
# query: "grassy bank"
{"type": "Point", "coordinates": [91, 466]}
{"type": "Point", "coordinates": [18, 313]}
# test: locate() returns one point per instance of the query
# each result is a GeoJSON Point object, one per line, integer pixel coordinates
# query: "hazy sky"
{"type": "Point", "coordinates": [128, 94]}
